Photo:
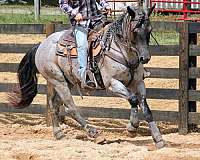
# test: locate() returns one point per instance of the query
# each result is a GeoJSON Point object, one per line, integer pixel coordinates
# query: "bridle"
{"type": "Point", "coordinates": [125, 39]}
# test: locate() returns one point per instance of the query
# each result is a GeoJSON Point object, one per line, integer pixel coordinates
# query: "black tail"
{"type": "Point", "coordinates": [23, 95]}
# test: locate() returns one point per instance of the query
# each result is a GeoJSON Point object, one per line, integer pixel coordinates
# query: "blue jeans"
{"type": "Point", "coordinates": [81, 35]}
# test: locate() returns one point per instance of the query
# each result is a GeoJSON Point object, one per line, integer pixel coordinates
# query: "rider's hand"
{"type": "Point", "coordinates": [78, 17]}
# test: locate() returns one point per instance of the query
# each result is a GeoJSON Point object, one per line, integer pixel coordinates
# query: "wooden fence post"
{"type": "Point", "coordinates": [192, 82]}
{"type": "Point", "coordinates": [50, 28]}
{"type": "Point", "coordinates": [37, 9]}
{"type": "Point", "coordinates": [183, 77]}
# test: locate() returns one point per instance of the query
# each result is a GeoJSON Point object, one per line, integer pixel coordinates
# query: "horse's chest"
{"type": "Point", "coordinates": [128, 76]}
{"type": "Point", "coordinates": [123, 75]}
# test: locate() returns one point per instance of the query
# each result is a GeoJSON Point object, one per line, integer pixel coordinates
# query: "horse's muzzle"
{"type": "Point", "coordinates": [144, 61]}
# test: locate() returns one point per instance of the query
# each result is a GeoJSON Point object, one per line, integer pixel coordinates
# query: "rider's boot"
{"type": "Point", "coordinates": [86, 82]}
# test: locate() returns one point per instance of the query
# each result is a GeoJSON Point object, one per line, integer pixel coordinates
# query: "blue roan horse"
{"type": "Point", "coordinates": [124, 51]}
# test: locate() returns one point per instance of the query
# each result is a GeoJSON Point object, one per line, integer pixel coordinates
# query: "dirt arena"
{"type": "Point", "coordinates": [26, 136]}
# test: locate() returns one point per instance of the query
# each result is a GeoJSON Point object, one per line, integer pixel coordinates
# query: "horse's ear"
{"type": "Point", "coordinates": [150, 10]}
{"type": "Point", "coordinates": [131, 11]}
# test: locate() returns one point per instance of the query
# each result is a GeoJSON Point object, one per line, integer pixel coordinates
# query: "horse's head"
{"type": "Point", "coordinates": [138, 29]}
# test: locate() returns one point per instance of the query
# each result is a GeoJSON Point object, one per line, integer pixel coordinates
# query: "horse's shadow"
{"type": "Point", "coordinates": [150, 144]}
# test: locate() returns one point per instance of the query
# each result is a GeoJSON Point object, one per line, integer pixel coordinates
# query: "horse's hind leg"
{"type": "Point", "coordinates": [148, 115]}
{"type": "Point", "coordinates": [53, 104]}
{"type": "Point", "coordinates": [58, 104]}
{"type": "Point", "coordinates": [65, 95]}
{"type": "Point", "coordinates": [55, 76]}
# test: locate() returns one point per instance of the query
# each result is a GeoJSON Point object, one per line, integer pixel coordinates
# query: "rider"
{"type": "Point", "coordinates": [83, 14]}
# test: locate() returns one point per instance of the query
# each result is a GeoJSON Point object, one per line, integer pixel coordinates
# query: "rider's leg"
{"type": "Point", "coordinates": [82, 48]}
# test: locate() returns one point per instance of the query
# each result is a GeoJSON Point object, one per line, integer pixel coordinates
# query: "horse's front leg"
{"type": "Point", "coordinates": [134, 119]}
{"type": "Point", "coordinates": [119, 89]}
{"type": "Point", "coordinates": [148, 115]}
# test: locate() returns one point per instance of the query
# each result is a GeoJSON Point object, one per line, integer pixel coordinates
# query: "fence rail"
{"type": "Point", "coordinates": [186, 72]}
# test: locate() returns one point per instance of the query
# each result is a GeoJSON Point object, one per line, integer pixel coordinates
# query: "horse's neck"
{"type": "Point", "coordinates": [114, 27]}
{"type": "Point", "coordinates": [123, 49]}
{"type": "Point", "coordinates": [114, 39]}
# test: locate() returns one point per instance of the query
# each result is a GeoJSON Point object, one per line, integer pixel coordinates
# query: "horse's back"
{"type": "Point", "coordinates": [46, 52]}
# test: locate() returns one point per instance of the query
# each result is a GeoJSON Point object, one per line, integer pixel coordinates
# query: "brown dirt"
{"type": "Point", "coordinates": [26, 137]}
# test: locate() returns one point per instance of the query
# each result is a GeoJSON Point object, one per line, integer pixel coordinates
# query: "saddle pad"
{"type": "Point", "coordinates": [67, 38]}
{"type": "Point", "coordinates": [66, 45]}
{"type": "Point", "coordinates": [63, 51]}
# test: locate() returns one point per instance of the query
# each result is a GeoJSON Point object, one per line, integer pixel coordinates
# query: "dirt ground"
{"type": "Point", "coordinates": [26, 136]}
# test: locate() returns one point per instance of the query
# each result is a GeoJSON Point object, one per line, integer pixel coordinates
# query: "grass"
{"type": "Point", "coordinates": [23, 6]}
{"type": "Point", "coordinates": [165, 38]}
{"type": "Point", "coordinates": [29, 18]}
{"type": "Point", "coordinates": [24, 14]}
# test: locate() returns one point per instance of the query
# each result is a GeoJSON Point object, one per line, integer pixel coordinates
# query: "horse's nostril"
{"type": "Point", "coordinates": [141, 59]}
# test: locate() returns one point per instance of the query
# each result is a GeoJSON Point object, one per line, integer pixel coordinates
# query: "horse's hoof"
{"type": "Point", "coordinates": [130, 128]}
{"type": "Point", "coordinates": [93, 133]}
{"type": "Point", "coordinates": [160, 144]}
{"type": "Point", "coordinates": [59, 135]}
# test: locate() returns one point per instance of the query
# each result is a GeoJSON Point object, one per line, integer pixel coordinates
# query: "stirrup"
{"type": "Point", "coordinates": [88, 84]}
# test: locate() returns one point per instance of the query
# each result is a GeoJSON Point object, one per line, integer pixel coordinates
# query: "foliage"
{"type": "Point", "coordinates": [165, 38]}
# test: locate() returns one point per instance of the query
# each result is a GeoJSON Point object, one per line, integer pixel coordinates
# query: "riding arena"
{"type": "Point", "coordinates": [172, 94]}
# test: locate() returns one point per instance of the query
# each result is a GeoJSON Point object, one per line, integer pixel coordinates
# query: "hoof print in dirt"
{"type": "Point", "coordinates": [100, 140]}
{"type": "Point", "coordinates": [131, 134]}
{"type": "Point", "coordinates": [81, 137]}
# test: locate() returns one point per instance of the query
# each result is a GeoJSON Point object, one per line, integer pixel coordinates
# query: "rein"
{"type": "Point", "coordinates": [154, 39]}
{"type": "Point", "coordinates": [126, 43]}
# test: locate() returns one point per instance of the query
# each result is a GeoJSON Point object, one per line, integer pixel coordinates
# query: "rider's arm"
{"type": "Point", "coordinates": [66, 8]}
